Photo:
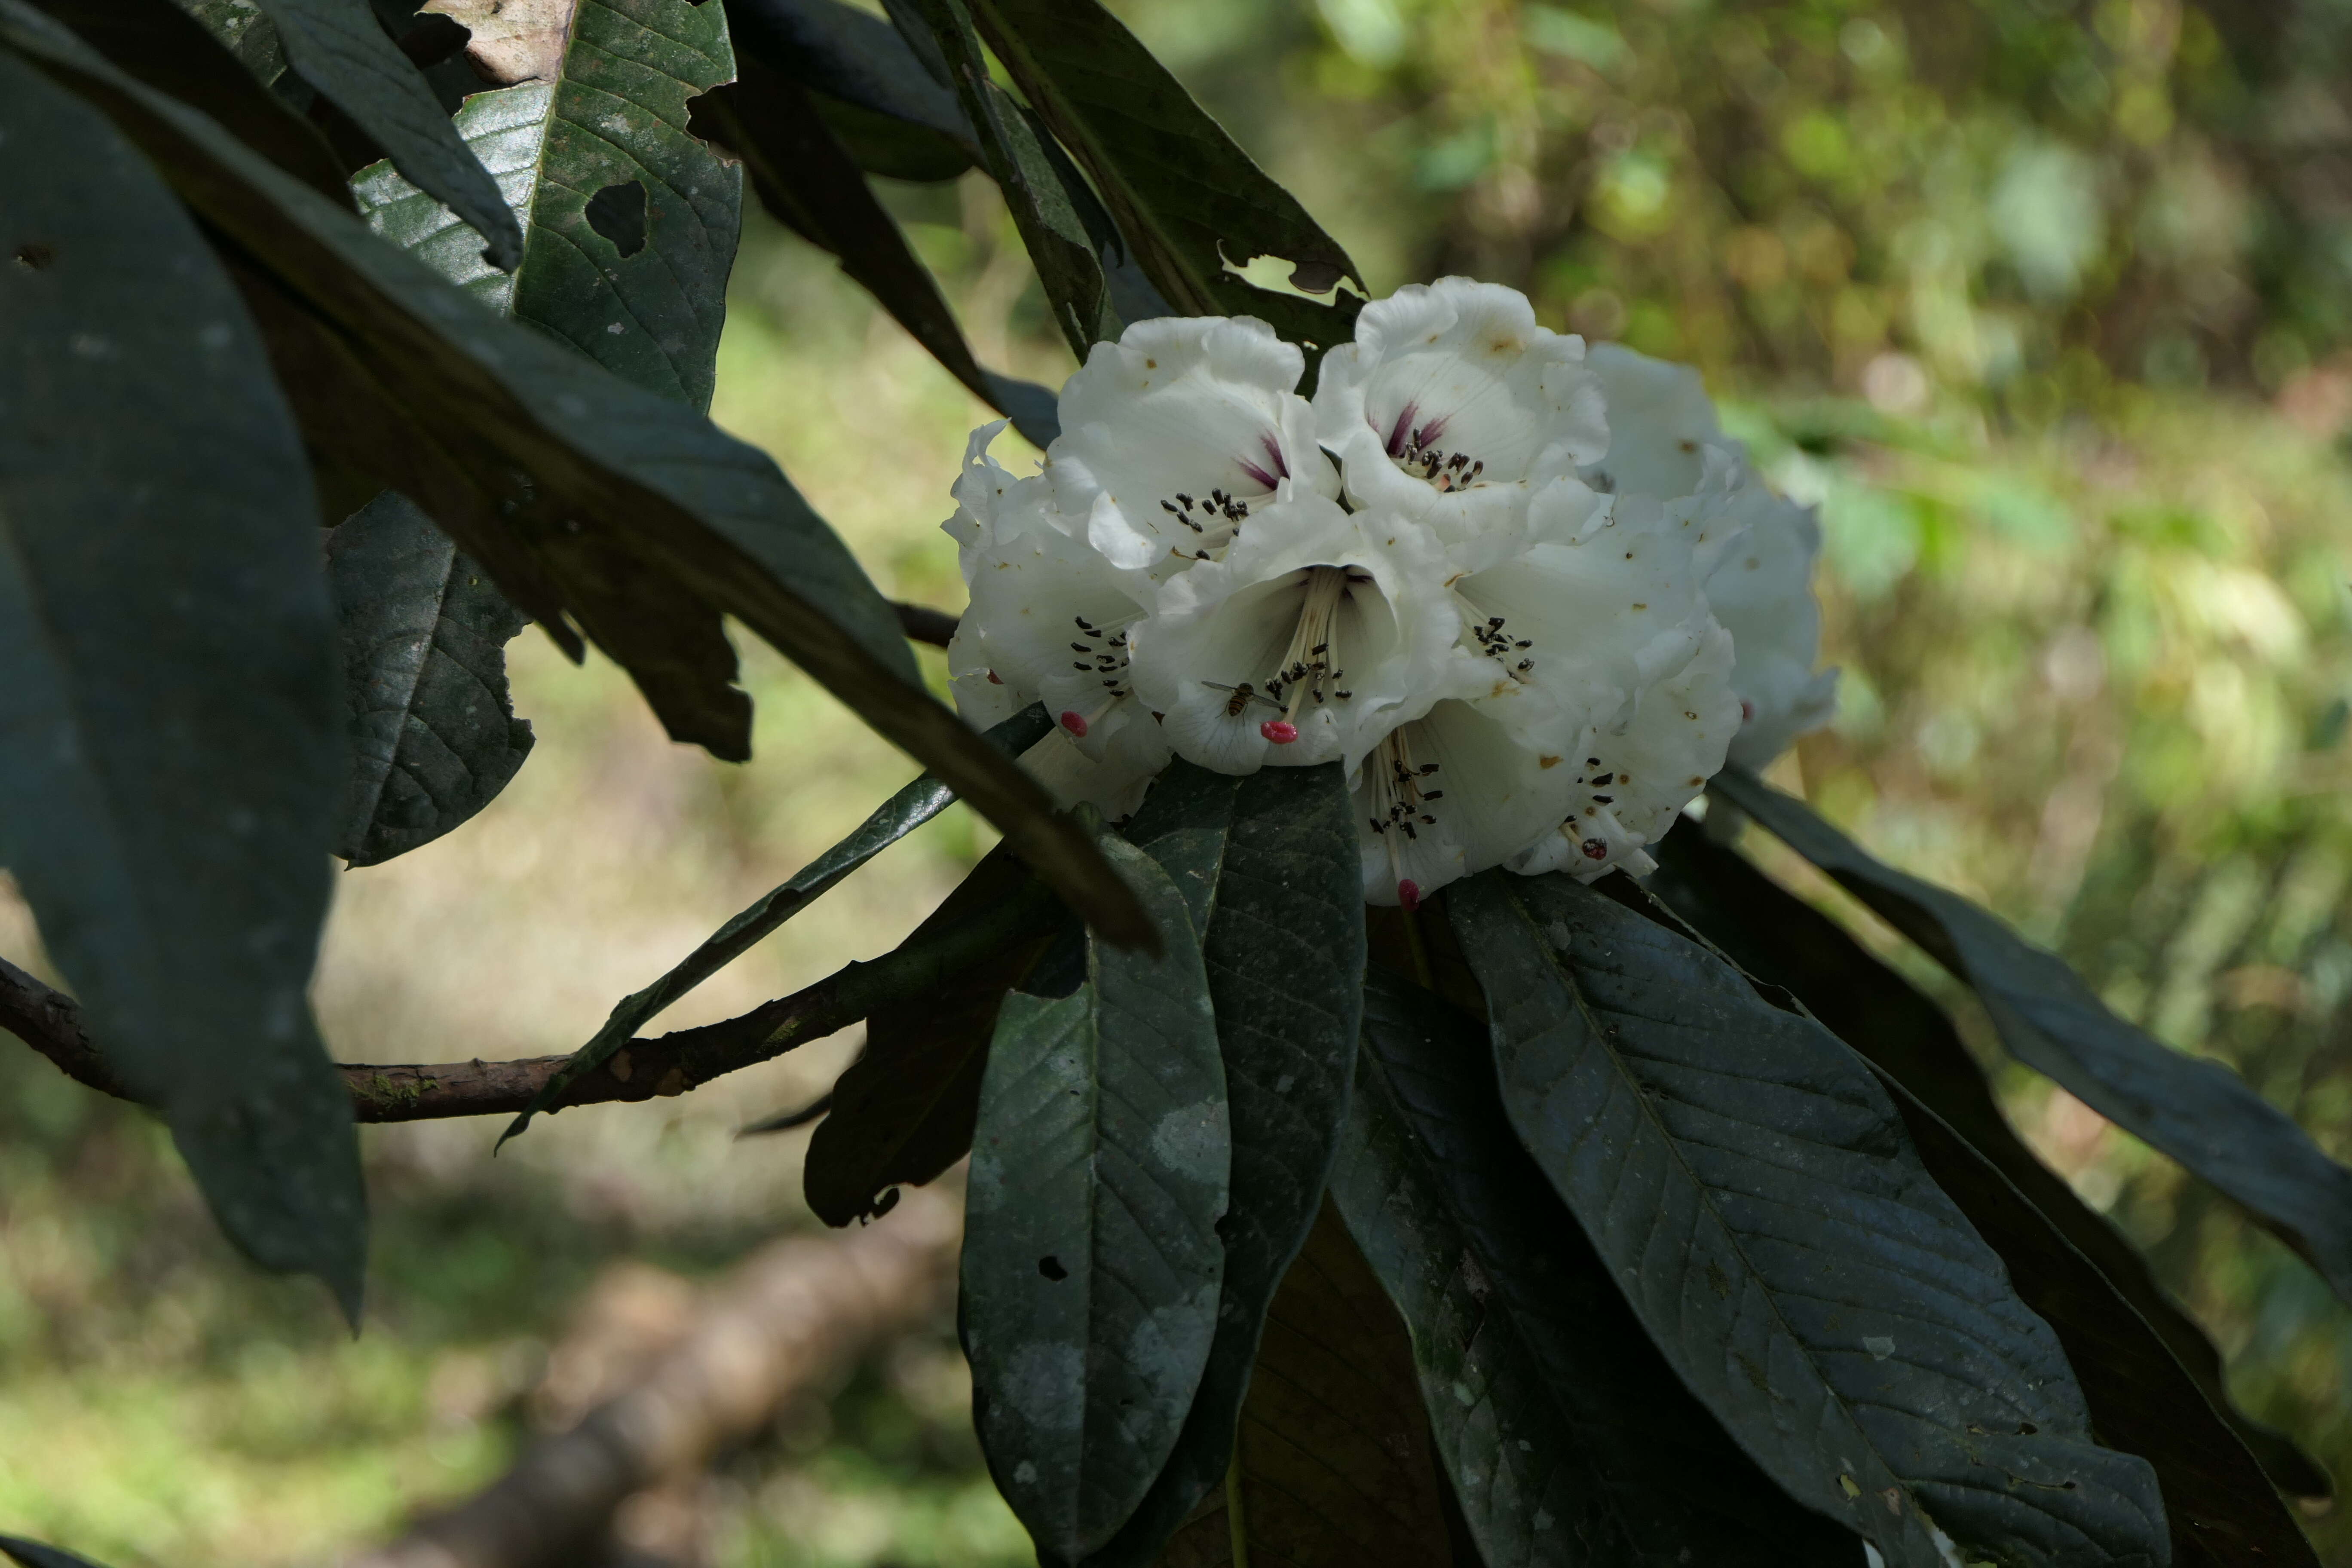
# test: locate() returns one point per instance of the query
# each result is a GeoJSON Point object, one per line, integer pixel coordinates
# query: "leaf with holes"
{"type": "Point", "coordinates": [583, 495]}
{"type": "Point", "coordinates": [914, 805]}
{"type": "Point", "coordinates": [808, 182]}
{"type": "Point", "coordinates": [1781, 938]}
{"type": "Point", "coordinates": [903, 1111]}
{"type": "Point", "coordinates": [629, 220]}
{"type": "Point", "coordinates": [171, 735]}
{"type": "Point", "coordinates": [2197, 1112]}
{"type": "Point", "coordinates": [339, 48]}
{"type": "Point", "coordinates": [434, 735]}
{"type": "Point", "coordinates": [1751, 1188]}
{"type": "Point", "coordinates": [1335, 1463]}
{"type": "Point", "coordinates": [1268, 868]}
{"type": "Point", "coordinates": [1091, 1260]}
{"type": "Point", "coordinates": [1569, 1440]}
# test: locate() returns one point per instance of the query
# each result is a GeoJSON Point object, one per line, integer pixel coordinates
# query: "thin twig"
{"type": "Point", "coordinates": [923, 623]}
{"type": "Point", "coordinates": [51, 1023]}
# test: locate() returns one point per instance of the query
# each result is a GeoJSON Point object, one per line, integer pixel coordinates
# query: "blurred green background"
{"type": "Point", "coordinates": [2046, 303]}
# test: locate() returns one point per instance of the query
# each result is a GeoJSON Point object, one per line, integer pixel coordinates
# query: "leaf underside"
{"type": "Point", "coordinates": [1754, 1193]}
{"type": "Point", "coordinates": [1091, 1259]}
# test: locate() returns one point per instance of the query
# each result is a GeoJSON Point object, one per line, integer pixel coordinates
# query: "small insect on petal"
{"type": "Point", "coordinates": [1075, 722]}
{"type": "Point", "coordinates": [1408, 895]}
{"type": "Point", "coordinates": [1281, 732]}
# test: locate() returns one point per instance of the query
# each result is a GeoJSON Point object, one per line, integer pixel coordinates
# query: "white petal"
{"type": "Point", "coordinates": [1496, 792]}
{"type": "Point", "coordinates": [1660, 422]}
{"type": "Point", "coordinates": [1762, 592]}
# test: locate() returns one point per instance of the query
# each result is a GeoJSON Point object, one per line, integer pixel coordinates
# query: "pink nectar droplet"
{"type": "Point", "coordinates": [1746, 711]}
{"type": "Point", "coordinates": [995, 679]}
{"type": "Point", "coordinates": [1075, 722]}
{"type": "Point", "coordinates": [1281, 732]}
{"type": "Point", "coordinates": [1408, 895]}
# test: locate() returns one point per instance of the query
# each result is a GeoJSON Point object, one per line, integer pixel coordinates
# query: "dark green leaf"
{"type": "Point", "coordinates": [1091, 1260]}
{"type": "Point", "coordinates": [33, 1554]}
{"type": "Point", "coordinates": [1752, 1190]}
{"type": "Point", "coordinates": [904, 1110]}
{"type": "Point", "coordinates": [434, 735]}
{"type": "Point", "coordinates": [1268, 867]}
{"type": "Point", "coordinates": [854, 56]}
{"type": "Point", "coordinates": [1092, 282]}
{"type": "Point", "coordinates": [337, 46]}
{"type": "Point", "coordinates": [609, 124]}
{"type": "Point", "coordinates": [892, 148]}
{"type": "Point", "coordinates": [2196, 1111]}
{"type": "Point", "coordinates": [171, 735]}
{"type": "Point", "coordinates": [1189, 200]}
{"type": "Point", "coordinates": [1782, 939]}
{"type": "Point", "coordinates": [1571, 1442]}
{"type": "Point", "coordinates": [582, 494]}
{"type": "Point", "coordinates": [904, 812]}
{"type": "Point", "coordinates": [1335, 1465]}
{"type": "Point", "coordinates": [241, 28]}
{"type": "Point", "coordinates": [785, 1121]}
{"type": "Point", "coordinates": [809, 182]}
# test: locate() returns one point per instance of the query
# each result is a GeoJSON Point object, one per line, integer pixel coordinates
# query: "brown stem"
{"type": "Point", "coordinates": [922, 623]}
{"type": "Point", "coordinates": [51, 1023]}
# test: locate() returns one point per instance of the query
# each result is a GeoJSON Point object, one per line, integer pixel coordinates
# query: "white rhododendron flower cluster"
{"type": "Point", "coordinates": [1512, 587]}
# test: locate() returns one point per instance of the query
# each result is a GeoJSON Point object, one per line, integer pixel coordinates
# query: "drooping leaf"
{"type": "Point", "coordinates": [1090, 1259]}
{"type": "Point", "coordinates": [338, 48]}
{"type": "Point", "coordinates": [808, 182]}
{"type": "Point", "coordinates": [1753, 1192]}
{"type": "Point", "coordinates": [1087, 271]}
{"type": "Point", "coordinates": [1570, 1440]}
{"type": "Point", "coordinates": [1268, 868]}
{"type": "Point", "coordinates": [629, 220]}
{"type": "Point", "coordinates": [1781, 938]}
{"type": "Point", "coordinates": [1194, 206]}
{"type": "Point", "coordinates": [892, 114]}
{"type": "Point", "coordinates": [913, 806]}
{"type": "Point", "coordinates": [904, 1110]}
{"type": "Point", "coordinates": [243, 30]}
{"type": "Point", "coordinates": [33, 1554]}
{"type": "Point", "coordinates": [583, 496]}
{"type": "Point", "coordinates": [1334, 1466]}
{"type": "Point", "coordinates": [171, 735]}
{"type": "Point", "coordinates": [434, 735]}
{"type": "Point", "coordinates": [2196, 1111]}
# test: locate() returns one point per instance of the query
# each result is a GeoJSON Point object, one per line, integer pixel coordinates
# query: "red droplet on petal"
{"type": "Point", "coordinates": [1596, 849]}
{"type": "Point", "coordinates": [1746, 711]}
{"type": "Point", "coordinates": [1408, 895]}
{"type": "Point", "coordinates": [1075, 722]}
{"type": "Point", "coordinates": [1281, 732]}
{"type": "Point", "coordinates": [994, 679]}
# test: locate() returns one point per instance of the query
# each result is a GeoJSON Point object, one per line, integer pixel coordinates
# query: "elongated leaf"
{"type": "Point", "coordinates": [1091, 1260]}
{"type": "Point", "coordinates": [1335, 1462]}
{"type": "Point", "coordinates": [244, 30]}
{"type": "Point", "coordinates": [1089, 276]}
{"type": "Point", "coordinates": [1193, 206]}
{"type": "Point", "coordinates": [581, 494]}
{"type": "Point", "coordinates": [1268, 868]}
{"type": "Point", "coordinates": [808, 182]}
{"type": "Point", "coordinates": [1753, 1192]}
{"type": "Point", "coordinates": [171, 734]}
{"type": "Point", "coordinates": [1570, 1440]}
{"type": "Point", "coordinates": [2197, 1112]}
{"type": "Point", "coordinates": [855, 57]}
{"type": "Point", "coordinates": [337, 46]}
{"type": "Point", "coordinates": [904, 1110]}
{"type": "Point", "coordinates": [33, 1554]}
{"type": "Point", "coordinates": [1782, 939]}
{"type": "Point", "coordinates": [904, 812]}
{"type": "Point", "coordinates": [434, 735]}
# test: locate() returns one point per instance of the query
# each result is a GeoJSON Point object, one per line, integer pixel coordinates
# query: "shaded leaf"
{"type": "Point", "coordinates": [583, 495]}
{"type": "Point", "coordinates": [914, 805]}
{"type": "Point", "coordinates": [1190, 202]}
{"type": "Point", "coordinates": [434, 735]}
{"type": "Point", "coordinates": [244, 30]}
{"type": "Point", "coordinates": [904, 1110]}
{"type": "Point", "coordinates": [1570, 1440]}
{"type": "Point", "coordinates": [1781, 938]}
{"type": "Point", "coordinates": [1090, 1258]}
{"type": "Point", "coordinates": [609, 124]}
{"type": "Point", "coordinates": [1336, 1467]}
{"type": "Point", "coordinates": [855, 58]}
{"type": "Point", "coordinates": [810, 183]}
{"type": "Point", "coordinates": [2196, 1111]}
{"type": "Point", "coordinates": [1753, 1192]}
{"type": "Point", "coordinates": [33, 1554]}
{"type": "Point", "coordinates": [171, 734]}
{"type": "Point", "coordinates": [1268, 868]}
{"type": "Point", "coordinates": [338, 48]}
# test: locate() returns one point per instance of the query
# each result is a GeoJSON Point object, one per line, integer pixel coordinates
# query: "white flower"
{"type": "Point", "coordinates": [1666, 443]}
{"type": "Point", "coordinates": [1454, 408]}
{"type": "Point", "coordinates": [1459, 790]}
{"type": "Point", "coordinates": [1320, 631]}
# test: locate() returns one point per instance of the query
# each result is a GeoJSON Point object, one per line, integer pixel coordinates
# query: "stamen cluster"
{"type": "Point", "coordinates": [1478, 571]}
